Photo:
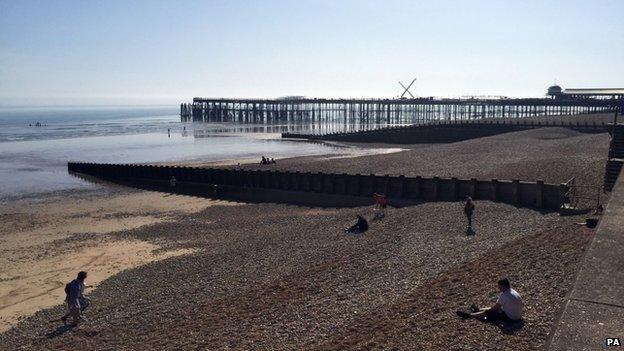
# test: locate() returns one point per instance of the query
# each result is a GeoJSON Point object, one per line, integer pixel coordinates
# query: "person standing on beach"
{"type": "Point", "coordinates": [172, 183]}
{"type": "Point", "coordinates": [379, 211]}
{"type": "Point", "coordinates": [468, 210]}
{"type": "Point", "coordinates": [76, 302]}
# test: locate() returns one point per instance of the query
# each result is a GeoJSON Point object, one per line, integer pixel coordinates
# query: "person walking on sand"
{"type": "Point", "coordinates": [74, 296]}
{"type": "Point", "coordinates": [508, 306]}
{"type": "Point", "coordinates": [469, 210]}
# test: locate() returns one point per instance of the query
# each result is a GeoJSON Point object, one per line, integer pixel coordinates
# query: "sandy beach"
{"type": "Point", "coordinates": [44, 243]}
{"type": "Point", "coordinates": [177, 272]}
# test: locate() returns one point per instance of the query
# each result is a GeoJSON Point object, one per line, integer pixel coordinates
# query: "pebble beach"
{"type": "Point", "coordinates": [282, 277]}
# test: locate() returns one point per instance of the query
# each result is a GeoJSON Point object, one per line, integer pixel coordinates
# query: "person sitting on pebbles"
{"type": "Point", "coordinates": [508, 306]}
{"type": "Point", "coordinates": [359, 227]}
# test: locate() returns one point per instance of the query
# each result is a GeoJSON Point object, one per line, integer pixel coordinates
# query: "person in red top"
{"type": "Point", "coordinates": [380, 206]}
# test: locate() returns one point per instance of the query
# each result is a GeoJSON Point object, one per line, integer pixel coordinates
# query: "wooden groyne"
{"type": "Point", "coordinates": [369, 113]}
{"type": "Point", "coordinates": [446, 131]}
{"type": "Point", "coordinates": [324, 189]}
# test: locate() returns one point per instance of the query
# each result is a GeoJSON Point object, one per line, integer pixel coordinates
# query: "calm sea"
{"type": "Point", "coordinates": [37, 143]}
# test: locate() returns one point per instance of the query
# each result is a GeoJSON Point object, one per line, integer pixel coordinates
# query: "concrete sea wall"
{"type": "Point", "coordinates": [593, 316]}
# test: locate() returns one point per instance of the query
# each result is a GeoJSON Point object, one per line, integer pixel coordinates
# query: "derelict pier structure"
{"type": "Point", "coordinates": [379, 111]}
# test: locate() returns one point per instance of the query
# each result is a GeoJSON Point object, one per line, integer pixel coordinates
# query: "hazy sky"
{"type": "Point", "coordinates": [161, 52]}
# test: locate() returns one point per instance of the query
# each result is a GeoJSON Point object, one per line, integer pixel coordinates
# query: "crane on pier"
{"type": "Point", "coordinates": [407, 89]}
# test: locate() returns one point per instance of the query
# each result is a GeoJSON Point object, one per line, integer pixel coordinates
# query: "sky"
{"type": "Point", "coordinates": [166, 52]}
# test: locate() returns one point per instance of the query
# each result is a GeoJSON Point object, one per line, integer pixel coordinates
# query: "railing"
{"type": "Point", "coordinates": [586, 195]}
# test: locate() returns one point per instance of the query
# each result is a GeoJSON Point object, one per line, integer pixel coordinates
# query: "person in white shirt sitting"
{"type": "Point", "coordinates": [508, 307]}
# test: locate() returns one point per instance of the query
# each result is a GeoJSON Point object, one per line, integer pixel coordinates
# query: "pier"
{"type": "Point", "coordinates": [364, 114]}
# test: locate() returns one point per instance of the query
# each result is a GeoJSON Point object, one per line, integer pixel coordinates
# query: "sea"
{"type": "Point", "coordinates": [37, 142]}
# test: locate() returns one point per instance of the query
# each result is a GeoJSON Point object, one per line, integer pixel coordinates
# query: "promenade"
{"type": "Point", "coordinates": [594, 310]}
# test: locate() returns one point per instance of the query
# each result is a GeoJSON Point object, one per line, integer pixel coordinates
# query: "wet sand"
{"type": "Point", "coordinates": [350, 151]}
